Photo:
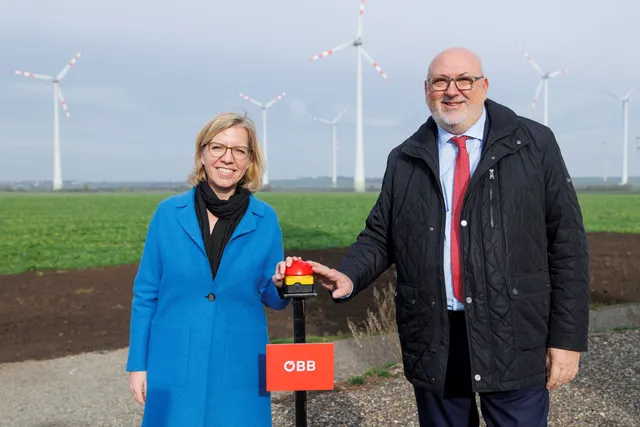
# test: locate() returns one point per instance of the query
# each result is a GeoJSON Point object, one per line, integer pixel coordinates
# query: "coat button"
{"type": "Point", "coordinates": [477, 377]}
{"type": "Point", "coordinates": [469, 300]}
{"type": "Point", "coordinates": [515, 291]}
{"type": "Point", "coordinates": [463, 223]}
{"type": "Point", "coordinates": [211, 297]}
{"type": "Point", "coordinates": [431, 228]}
{"type": "Point", "coordinates": [518, 142]}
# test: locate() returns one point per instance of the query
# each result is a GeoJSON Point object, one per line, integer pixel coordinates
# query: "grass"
{"type": "Point", "coordinates": [618, 213]}
{"type": "Point", "coordinates": [311, 339]}
{"type": "Point", "coordinates": [69, 230]}
{"type": "Point", "coordinates": [380, 372]}
{"type": "Point", "coordinates": [79, 230]}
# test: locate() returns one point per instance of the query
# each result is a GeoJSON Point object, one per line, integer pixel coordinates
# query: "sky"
{"type": "Point", "coordinates": [153, 72]}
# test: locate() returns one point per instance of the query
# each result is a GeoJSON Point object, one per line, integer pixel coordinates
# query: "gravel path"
{"type": "Point", "coordinates": [605, 393]}
{"type": "Point", "coordinates": [91, 390]}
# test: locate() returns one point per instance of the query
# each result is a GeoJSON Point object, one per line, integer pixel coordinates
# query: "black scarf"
{"type": "Point", "coordinates": [229, 212]}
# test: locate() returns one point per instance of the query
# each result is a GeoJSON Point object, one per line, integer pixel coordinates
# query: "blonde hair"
{"type": "Point", "coordinates": [252, 179]}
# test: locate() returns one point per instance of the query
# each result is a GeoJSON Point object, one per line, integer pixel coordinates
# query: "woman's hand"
{"type": "Point", "coordinates": [138, 386]}
{"type": "Point", "coordinates": [281, 267]}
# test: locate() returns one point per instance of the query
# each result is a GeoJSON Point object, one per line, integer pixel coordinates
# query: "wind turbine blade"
{"type": "Point", "coordinates": [526, 55]}
{"type": "Point", "coordinates": [253, 101]}
{"type": "Point", "coordinates": [613, 95]}
{"type": "Point", "coordinates": [360, 18]}
{"type": "Point", "coordinates": [330, 51]}
{"type": "Point", "coordinates": [276, 99]}
{"type": "Point", "coordinates": [32, 75]}
{"type": "Point", "coordinates": [628, 95]}
{"type": "Point", "coordinates": [65, 70]}
{"type": "Point", "coordinates": [560, 72]}
{"type": "Point", "coordinates": [535, 99]}
{"type": "Point", "coordinates": [319, 119]}
{"type": "Point", "coordinates": [339, 116]}
{"type": "Point", "coordinates": [63, 103]}
{"type": "Point", "coordinates": [375, 64]}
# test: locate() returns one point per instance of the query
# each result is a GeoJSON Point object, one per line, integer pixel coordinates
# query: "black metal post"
{"type": "Point", "coordinates": [299, 336]}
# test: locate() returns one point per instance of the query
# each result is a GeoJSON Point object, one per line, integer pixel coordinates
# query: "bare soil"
{"type": "Point", "coordinates": [53, 314]}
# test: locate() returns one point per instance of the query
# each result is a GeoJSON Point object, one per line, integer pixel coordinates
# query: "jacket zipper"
{"type": "Point", "coordinates": [491, 179]}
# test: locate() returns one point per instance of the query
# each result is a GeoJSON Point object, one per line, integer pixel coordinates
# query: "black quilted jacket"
{"type": "Point", "coordinates": [525, 258]}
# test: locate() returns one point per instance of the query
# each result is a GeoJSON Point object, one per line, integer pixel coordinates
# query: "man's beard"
{"type": "Point", "coordinates": [455, 121]}
{"type": "Point", "coordinates": [449, 119]}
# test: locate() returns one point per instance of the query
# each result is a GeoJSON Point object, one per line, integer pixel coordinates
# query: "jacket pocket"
{"type": "Point", "coordinates": [245, 358]}
{"type": "Point", "coordinates": [406, 300]}
{"type": "Point", "coordinates": [168, 358]}
{"type": "Point", "coordinates": [492, 179]}
{"type": "Point", "coordinates": [530, 304]}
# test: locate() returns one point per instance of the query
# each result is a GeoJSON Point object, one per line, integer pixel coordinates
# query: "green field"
{"type": "Point", "coordinates": [69, 230]}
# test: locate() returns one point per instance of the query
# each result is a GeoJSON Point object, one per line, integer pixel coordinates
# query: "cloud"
{"type": "Point", "coordinates": [153, 72]}
{"type": "Point", "coordinates": [104, 97]}
{"type": "Point", "coordinates": [298, 108]}
{"type": "Point", "coordinates": [383, 121]}
{"type": "Point", "coordinates": [30, 88]}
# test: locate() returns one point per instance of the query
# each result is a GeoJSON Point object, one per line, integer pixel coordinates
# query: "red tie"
{"type": "Point", "coordinates": [460, 183]}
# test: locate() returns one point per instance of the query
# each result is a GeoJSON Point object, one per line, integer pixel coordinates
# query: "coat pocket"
{"type": "Point", "coordinates": [406, 300]}
{"type": "Point", "coordinates": [168, 357]}
{"type": "Point", "coordinates": [245, 358]}
{"type": "Point", "coordinates": [530, 304]}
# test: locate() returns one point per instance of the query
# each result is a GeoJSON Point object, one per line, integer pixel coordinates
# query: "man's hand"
{"type": "Point", "coordinates": [339, 284]}
{"type": "Point", "coordinates": [138, 386]}
{"type": "Point", "coordinates": [562, 367]}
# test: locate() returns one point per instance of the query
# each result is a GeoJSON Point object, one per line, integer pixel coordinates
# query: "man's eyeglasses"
{"type": "Point", "coordinates": [218, 150]}
{"type": "Point", "coordinates": [462, 82]}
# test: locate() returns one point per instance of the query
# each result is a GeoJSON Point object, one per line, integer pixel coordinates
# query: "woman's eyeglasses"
{"type": "Point", "coordinates": [239, 152]}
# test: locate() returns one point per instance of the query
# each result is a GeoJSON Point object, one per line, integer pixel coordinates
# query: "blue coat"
{"type": "Point", "coordinates": [203, 341]}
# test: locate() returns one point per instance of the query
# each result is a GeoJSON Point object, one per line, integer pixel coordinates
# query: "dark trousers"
{"type": "Point", "coordinates": [526, 407]}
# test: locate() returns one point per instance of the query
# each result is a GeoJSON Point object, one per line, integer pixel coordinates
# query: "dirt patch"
{"type": "Point", "coordinates": [55, 314]}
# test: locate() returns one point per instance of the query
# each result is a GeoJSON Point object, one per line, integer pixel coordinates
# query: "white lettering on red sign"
{"type": "Point", "coordinates": [300, 365]}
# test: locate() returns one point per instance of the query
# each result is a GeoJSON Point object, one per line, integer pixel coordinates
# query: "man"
{"type": "Point", "coordinates": [479, 215]}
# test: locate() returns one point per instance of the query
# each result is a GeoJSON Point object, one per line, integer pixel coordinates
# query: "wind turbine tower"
{"type": "Point", "coordinates": [359, 175]}
{"type": "Point", "coordinates": [625, 135]}
{"type": "Point", "coordinates": [57, 97]}
{"type": "Point", "coordinates": [334, 145]}
{"type": "Point", "coordinates": [264, 107]}
{"type": "Point", "coordinates": [543, 82]}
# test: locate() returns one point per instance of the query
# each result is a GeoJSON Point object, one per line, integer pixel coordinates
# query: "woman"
{"type": "Point", "coordinates": [198, 328]}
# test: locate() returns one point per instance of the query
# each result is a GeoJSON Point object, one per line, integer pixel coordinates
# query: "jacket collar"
{"type": "Point", "coordinates": [186, 215]}
{"type": "Point", "coordinates": [500, 122]}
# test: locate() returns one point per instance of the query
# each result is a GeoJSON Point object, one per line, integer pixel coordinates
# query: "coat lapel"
{"type": "Point", "coordinates": [248, 222]}
{"type": "Point", "coordinates": [423, 145]}
{"type": "Point", "coordinates": [188, 219]}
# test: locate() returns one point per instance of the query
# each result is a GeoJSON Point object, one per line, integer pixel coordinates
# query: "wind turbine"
{"type": "Point", "coordinates": [625, 132]}
{"type": "Point", "coordinates": [264, 107]}
{"type": "Point", "coordinates": [334, 145]}
{"type": "Point", "coordinates": [543, 82]}
{"type": "Point", "coordinates": [604, 176]}
{"type": "Point", "coordinates": [358, 176]}
{"type": "Point", "coordinates": [57, 96]}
